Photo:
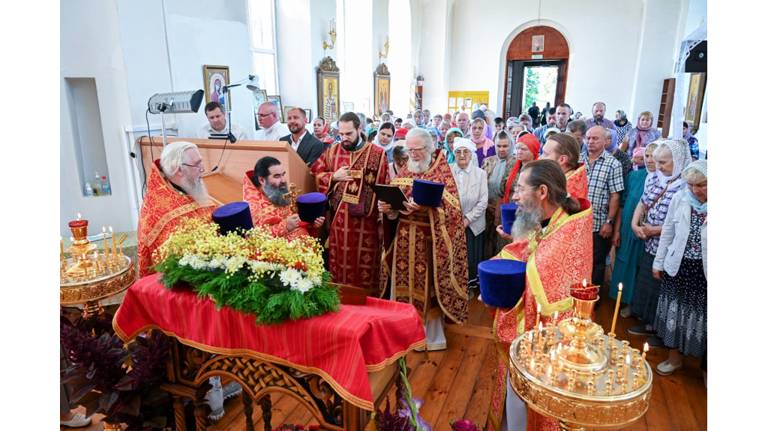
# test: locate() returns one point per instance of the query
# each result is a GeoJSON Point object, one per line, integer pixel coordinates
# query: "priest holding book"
{"type": "Point", "coordinates": [426, 263]}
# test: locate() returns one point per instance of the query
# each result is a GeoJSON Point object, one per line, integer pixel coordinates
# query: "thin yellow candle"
{"type": "Point", "coordinates": [104, 241]}
{"type": "Point", "coordinates": [616, 310]}
{"type": "Point", "coordinates": [645, 350]}
{"type": "Point", "coordinates": [61, 247]}
{"type": "Point", "coordinates": [538, 314]}
{"type": "Point", "coordinates": [114, 246]}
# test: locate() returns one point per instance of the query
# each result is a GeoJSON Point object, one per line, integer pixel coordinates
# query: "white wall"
{"type": "Point", "coordinates": [606, 39]}
{"type": "Point", "coordinates": [122, 44]}
{"type": "Point", "coordinates": [435, 53]}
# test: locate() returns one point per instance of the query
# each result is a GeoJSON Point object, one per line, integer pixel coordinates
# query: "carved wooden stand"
{"type": "Point", "coordinates": [188, 370]}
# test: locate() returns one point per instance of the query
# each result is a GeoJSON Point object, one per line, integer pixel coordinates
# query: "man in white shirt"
{"type": "Point", "coordinates": [271, 127]}
{"type": "Point", "coordinates": [304, 143]}
{"type": "Point", "coordinates": [217, 124]}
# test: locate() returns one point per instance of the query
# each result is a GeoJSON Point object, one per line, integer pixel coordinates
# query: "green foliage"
{"type": "Point", "coordinates": [531, 87]}
{"type": "Point", "coordinates": [267, 298]}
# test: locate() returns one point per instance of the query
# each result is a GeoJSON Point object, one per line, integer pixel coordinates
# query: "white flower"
{"type": "Point", "coordinates": [234, 263]}
{"type": "Point", "coordinates": [290, 277]}
{"type": "Point", "coordinates": [303, 285]}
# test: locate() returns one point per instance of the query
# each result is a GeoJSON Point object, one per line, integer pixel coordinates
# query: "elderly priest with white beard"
{"type": "Point", "coordinates": [426, 264]}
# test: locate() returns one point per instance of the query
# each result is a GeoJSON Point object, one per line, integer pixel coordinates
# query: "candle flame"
{"type": "Point", "coordinates": [110, 229]}
{"type": "Point", "coordinates": [620, 287]}
{"type": "Point", "coordinates": [584, 282]}
{"type": "Point", "coordinates": [79, 216]}
{"type": "Point", "coordinates": [540, 326]}
{"type": "Point", "coordinates": [538, 308]}
{"type": "Point", "coordinates": [629, 360]}
{"type": "Point", "coordinates": [554, 317]}
{"type": "Point", "coordinates": [645, 347]}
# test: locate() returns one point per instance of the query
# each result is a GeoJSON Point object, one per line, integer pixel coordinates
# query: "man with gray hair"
{"type": "Point", "coordinates": [426, 264]}
{"type": "Point", "coordinates": [269, 121]}
{"type": "Point", "coordinates": [175, 193]}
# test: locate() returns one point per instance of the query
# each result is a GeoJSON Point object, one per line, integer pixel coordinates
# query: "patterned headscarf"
{"type": "Point", "coordinates": [681, 157]}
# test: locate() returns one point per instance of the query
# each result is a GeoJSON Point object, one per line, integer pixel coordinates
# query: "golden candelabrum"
{"type": "Point", "coordinates": [90, 274]}
{"type": "Point", "coordinates": [575, 373]}
{"type": "Point", "coordinates": [332, 35]}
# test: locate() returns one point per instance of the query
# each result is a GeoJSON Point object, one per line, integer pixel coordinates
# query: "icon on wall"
{"type": "Point", "coordinates": [214, 79]}
{"type": "Point", "coordinates": [537, 43]}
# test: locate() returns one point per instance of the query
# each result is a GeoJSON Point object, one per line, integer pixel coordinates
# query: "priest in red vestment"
{"type": "Point", "coordinates": [426, 263]}
{"type": "Point", "coordinates": [553, 235]}
{"type": "Point", "coordinates": [265, 188]}
{"type": "Point", "coordinates": [565, 150]}
{"type": "Point", "coordinates": [346, 172]}
{"type": "Point", "coordinates": [175, 192]}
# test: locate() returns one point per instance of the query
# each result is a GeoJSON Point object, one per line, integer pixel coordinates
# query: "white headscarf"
{"type": "Point", "coordinates": [681, 157]}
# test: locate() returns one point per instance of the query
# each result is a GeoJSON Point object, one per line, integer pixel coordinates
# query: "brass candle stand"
{"type": "Point", "coordinates": [575, 373]}
{"type": "Point", "coordinates": [88, 275]}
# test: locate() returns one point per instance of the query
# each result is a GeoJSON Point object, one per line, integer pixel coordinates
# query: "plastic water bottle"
{"type": "Point", "coordinates": [105, 188]}
{"type": "Point", "coordinates": [97, 185]}
{"type": "Point", "coordinates": [88, 189]}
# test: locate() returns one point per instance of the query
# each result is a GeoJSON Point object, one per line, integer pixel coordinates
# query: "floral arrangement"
{"type": "Point", "coordinates": [406, 417]}
{"type": "Point", "coordinates": [256, 272]}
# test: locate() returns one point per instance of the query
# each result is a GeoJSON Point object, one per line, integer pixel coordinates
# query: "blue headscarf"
{"type": "Point", "coordinates": [699, 166]}
{"type": "Point", "coordinates": [450, 157]}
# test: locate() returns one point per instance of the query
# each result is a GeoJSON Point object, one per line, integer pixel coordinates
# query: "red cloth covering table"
{"type": "Point", "coordinates": [341, 347]}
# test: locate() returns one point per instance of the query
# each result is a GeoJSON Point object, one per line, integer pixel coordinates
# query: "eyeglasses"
{"type": "Point", "coordinates": [265, 115]}
{"type": "Point", "coordinates": [519, 188]}
{"type": "Point", "coordinates": [198, 165]}
{"type": "Point", "coordinates": [416, 150]}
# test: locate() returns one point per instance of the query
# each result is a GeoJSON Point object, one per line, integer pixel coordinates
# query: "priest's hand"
{"type": "Point", "coordinates": [504, 235]}
{"type": "Point", "coordinates": [319, 222]}
{"type": "Point", "coordinates": [342, 174]}
{"type": "Point", "coordinates": [292, 222]}
{"type": "Point", "coordinates": [410, 207]}
{"type": "Point", "coordinates": [386, 208]}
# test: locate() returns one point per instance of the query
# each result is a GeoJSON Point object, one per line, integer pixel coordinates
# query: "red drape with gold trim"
{"type": "Point", "coordinates": [163, 209]}
{"type": "Point", "coordinates": [558, 258]}
{"type": "Point", "coordinates": [354, 240]}
{"type": "Point", "coordinates": [341, 347]}
{"type": "Point", "coordinates": [428, 256]}
{"type": "Point", "coordinates": [266, 214]}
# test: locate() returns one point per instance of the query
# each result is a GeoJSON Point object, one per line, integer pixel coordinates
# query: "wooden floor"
{"type": "Point", "coordinates": [456, 383]}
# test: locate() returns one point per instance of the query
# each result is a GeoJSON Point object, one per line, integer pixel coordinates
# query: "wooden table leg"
{"type": "Point", "coordinates": [266, 411]}
{"type": "Point", "coordinates": [201, 406]}
{"type": "Point", "coordinates": [248, 411]}
{"type": "Point", "coordinates": [178, 413]}
{"type": "Point", "coordinates": [354, 417]}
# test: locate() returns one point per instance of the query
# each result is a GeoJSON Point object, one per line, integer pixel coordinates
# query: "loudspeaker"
{"type": "Point", "coordinates": [697, 61]}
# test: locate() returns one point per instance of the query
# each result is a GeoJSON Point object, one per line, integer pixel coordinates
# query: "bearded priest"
{"type": "Point", "coordinates": [175, 192]}
{"type": "Point", "coordinates": [426, 263]}
{"type": "Point", "coordinates": [552, 233]}
{"type": "Point", "coordinates": [265, 188]}
{"type": "Point", "coordinates": [347, 172]}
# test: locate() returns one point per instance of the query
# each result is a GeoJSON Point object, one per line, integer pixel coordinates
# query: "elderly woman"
{"type": "Point", "coordinates": [447, 146]}
{"type": "Point", "coordinates": [641, 135]}
{"type": "Point", "coordinates": [623, 126]}
{"type": "Point", "coordinates": [681, 265]}
{"type": "Point", "coordinates": [527, 149]}
{"type": "Point", "coordinates": [472, 183]}
{"type": "Point", "coordinates": [671, 157]}
{"type": "Point", "coordinates": [497, 167]}
{"type": "Point", "coordinates": [629, 247]}
{"type": "Point", "coordinates": [483, 146]}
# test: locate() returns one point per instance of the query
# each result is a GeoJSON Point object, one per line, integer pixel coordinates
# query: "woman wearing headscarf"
{"type": "Point", "coordinates": [527, 149]}
{"type": "Point", "coordinates": [447, 146]}
{"type": "Point", "coordinates": [629, 247]}
{"type": "Point", "coordinates": [321, 129]}
{"type": "Point", "coordinates": [681, 265]}
{"type": "Point", "coordinates": [671, 157]}
{"type": "Point", "coordinates": [623, 126]}
{"type": "Point", "coordinates": [472, 183]}
{"type": "Point", "coordinates": [642, 134]}
{"type": "Point", "coordinates": [484, 146]}
{"type": "Point", "coordinates": [385, 138]}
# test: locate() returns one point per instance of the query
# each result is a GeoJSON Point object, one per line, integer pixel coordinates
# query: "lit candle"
{"type": "Point", "coordinates": [79, 216]}
{"type": "Point", "coordinates": [645, 350]}
{"type": "Point", "coordinates": [104, 241]}
{"type": "Point", "coordinates": [114, 246]}
{"type": "Point", "coordinates": [554, 317]}
{"type": "Point", "coordinates": [538, 314]}
{"type": "Point", "coordinates": [584, 282]}
{"type": "Point", "coordinates": [61, 247]}
{"type": "Point", "coordinates": [532, 364]}
{"type": "Point", "coordinates": [628, 360]}
{"type": "Point", "coordinates": [616, 310]}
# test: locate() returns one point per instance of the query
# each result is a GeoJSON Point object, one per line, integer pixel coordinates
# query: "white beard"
{"type": "Point", "coordinates": [196, 190]}
{"type": "Point", "coordinates": [526, 222]}
{"type": "Point", "coordinates": [418, 167]}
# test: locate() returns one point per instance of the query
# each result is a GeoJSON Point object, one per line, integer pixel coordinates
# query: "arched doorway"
{"type": "Point", "coordinates": [541, 51]}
